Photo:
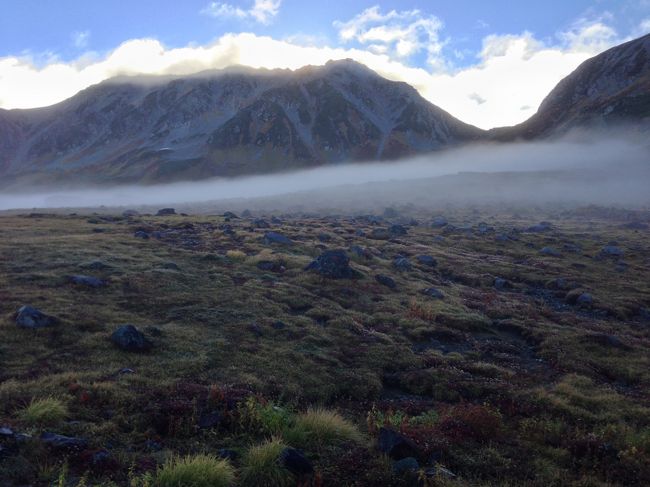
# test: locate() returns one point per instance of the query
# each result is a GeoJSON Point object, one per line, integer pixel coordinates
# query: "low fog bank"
{"type": "Point", "coordinates": [583, 170]}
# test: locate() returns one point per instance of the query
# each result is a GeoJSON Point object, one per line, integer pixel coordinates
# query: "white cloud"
{"type": "Point", "coordinates": [400, 34]}
{"type": "Point", "coordinates": [512, 76]}
{"type": "Point", "coordinates": [262, 11]}
{"type": "Point", "coordinates": [80, 39]}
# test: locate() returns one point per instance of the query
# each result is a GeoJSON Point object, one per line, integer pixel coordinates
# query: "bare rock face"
{"type": "Point", "coordinates": [223, 123]}
{"type": "Point", "coordinates": [610, 88]}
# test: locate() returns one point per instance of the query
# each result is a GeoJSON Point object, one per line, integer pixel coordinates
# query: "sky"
{"type": "Point", "coordinates": [489, 63]}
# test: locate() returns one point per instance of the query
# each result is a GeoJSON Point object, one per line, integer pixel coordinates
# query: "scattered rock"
{"type": "Point", "coordinates": [405, 466]}
{"type": "Point", "coordinates": [130, 213]}
{"type": "Point", "coordinates": [166, 212]}
{"type": "Point", "coordinates": [608, 341]}
{"type": "Point", "coordinates": [380, 234]}
{"type": "Point", "coordinates": [585, 300]}
{"type": "Point", "coordinates": [226, 453]}
{"type": "Point", "coordinates": [246, 214]}
{"type": "Point", "coordinates": [386, 281]}
{"type": "Point", "coordinates": [209, 420]}
{"type": "Point", "coordinates": [361, 252]}
{"type": "Point", "coordinates": [141, 234]}
{"type": "Point", "coordinates": [229, 215]}
{"type": "Point", "coordinates": [28, 317]}
{"type": "Point", "coordinates": [540, 227]}
{"type": "Point", "coordinates": [432, 292]}
{"type": "Point", "coordinates": [276, 238]}
{"type": "Point", "coordinates": [426, 260]}
{"type": "Point", "coordinates": [334, 264]}
{"type": "Point", "coordinates": [501, 284]}
{"type": "Point", "coordinates": [397, 230]}
{"type": "Point", "coordinates": [550, 251]}
{"type": "Point", "coordinates": [296, 462]}
{"type": "Point", "coordinates": [402, 263]}
{"type": "Point", "coordinates": [611, 251]}
{"type": "Point", "coordinates": [396, 445]}
{"type": "Point", "coordinates": [130, 339]}
{"type": "Point", "coordinates": [87, 281]}
{"type": "Point", "coordinates": [261, 223]}
{"type": "Point", "coordinates": [439, 222]}
{"type": "Point", "coordinates": [63, 443]}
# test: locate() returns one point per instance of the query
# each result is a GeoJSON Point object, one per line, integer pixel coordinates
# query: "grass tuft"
{"type": "Point", "coordinates": [262, 468]}
{"type": "Point", "coordinates": [42, 412]}
{"type": "Point", "coordinates": [322, 427]}
{"type": "Point", "coordinates": [195, 471]}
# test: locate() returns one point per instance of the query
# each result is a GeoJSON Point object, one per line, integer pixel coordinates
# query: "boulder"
{"type": "Point", "coordinates": [402, 263]}
{"type": "Point", "coordinates": [385, 280]}
{"type": "Point", "coordinates": [166, 212]}
{"type": "Point", "coordinates": [28, 317]}
{"type": "Point", "coordinates": [334, 264]}
{"type": "Point", "coordinates": [276, 238]}
{"type": "Point", "coordinates": [432, 292]}
{"type": "Point", "coordinates": [87, 281]}
{"type": "Point", "coordinates": [439, 222]}
{"type": "Point", "coordinates": [540, 227]}
{"type": "Point", "coordinates": [380, 234]}
{"type": "Point", "coordinates": [261, 223]}
{"type": "Point", "coordinates": [405, 466]}
{"type": "Point", "coordinates": [426, 260]}
{"type": "Point", "coordinates": [296, 462]}
{"type": "Point", "coordinates": [229, 215]}
{"type": "Point", "coordinates": [63, 443]}
{"type": "Point", "coordinates": [396, 445]}
{"type": "Point", "coordinates": [130, 339]}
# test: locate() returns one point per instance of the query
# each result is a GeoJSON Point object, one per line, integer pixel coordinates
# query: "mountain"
{"type": "Point", "coordinates": [222, 123]}
{"type": "Point", "coordinates": [604, 91]}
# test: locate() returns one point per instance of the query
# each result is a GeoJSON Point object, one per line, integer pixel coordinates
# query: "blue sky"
{"type": "Point", "coordinates": [406, 40]}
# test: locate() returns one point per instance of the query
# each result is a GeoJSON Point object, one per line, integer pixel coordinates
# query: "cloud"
{"type": "Point", "coordinates": [262, 11]}
{"type": "Point", "coordinates": [80, 39]}
{"type": "Point", "coordinates": [511, 72]}
{"type": "Point", "coordinates": [400, 33]}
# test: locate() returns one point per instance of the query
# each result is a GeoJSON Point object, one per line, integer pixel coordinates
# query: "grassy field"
{"type": "Point", "coordinates": [531, 366]}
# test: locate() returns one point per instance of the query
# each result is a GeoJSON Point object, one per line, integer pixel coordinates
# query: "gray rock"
{"type": "Point", "coordinates": [405, 466]}
{"type": "Point", "coordinates": [28, 317]}
{"type": "Point", "coordinates": [385, 281]}
{"type": "Point", "coordinates": [402, 264]}
{"type": "Point", "coordinates": [87, 281]}
{"type": "Point", "coordinates": [334, 264]}
{"type": "Point", "coordinates": [585, 300]}
{"type": "Point", "coordinates": [380, 234]}
{"type": "Point", "coordinates": [166, 212]}
{"type": "Point", "coordinates": [63, 443]}
{"type": "Point", "coordinates": [141, 234]}
{"type": "Point", "coordinates": [130, 339]}
{"type": "Point", "coordinates": [550, 251]}
{"type": "Point", "coordinates": [432, 292]}
{"type": "Point", "coordinates": [501, 284]}
{"type": "Point", "coordinates": [611, 251]}
{"type": "Point", "coordinates": [426, 260]}
{"type": "Point", "coordinates": [397, 230]}
{"type": "Point", "coordinates": [540, 227]}
{"type": "Point", "coordinates": [276, 238]}
{"type": "Point", "coordinates": [396, 445]}
{"type": "Point", "coordinates": [261, 223]}
{"type": "Point", "coordinates": [439, 222]}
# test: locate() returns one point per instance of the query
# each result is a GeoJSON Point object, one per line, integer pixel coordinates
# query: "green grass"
{"type": "Point", "coordinates": [321, 427]}
{"type": "Point", "coordinates": [195, 471]}
{"type": "Point", "coordinates": [261, 466]}
{"type": "Point", "coordinates": [43, 412]}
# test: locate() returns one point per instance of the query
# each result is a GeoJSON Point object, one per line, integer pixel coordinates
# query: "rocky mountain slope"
{"type": "Point", "coordinates": [223, 123]}
{"type": "Point", "coordinates": [610, 88]}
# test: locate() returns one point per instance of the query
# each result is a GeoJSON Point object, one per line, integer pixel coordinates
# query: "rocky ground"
{"type": "Point", "coordinates": [458, 347]}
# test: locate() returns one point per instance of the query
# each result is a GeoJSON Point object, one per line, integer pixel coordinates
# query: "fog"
{"type": "Point", "coordinates": [578, 170]}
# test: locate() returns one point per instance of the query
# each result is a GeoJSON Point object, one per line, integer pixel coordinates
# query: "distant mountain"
{"type": "Point", "coordinates": [222, 123]}
{"type": "Point", "coordinates": [606, 90]}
